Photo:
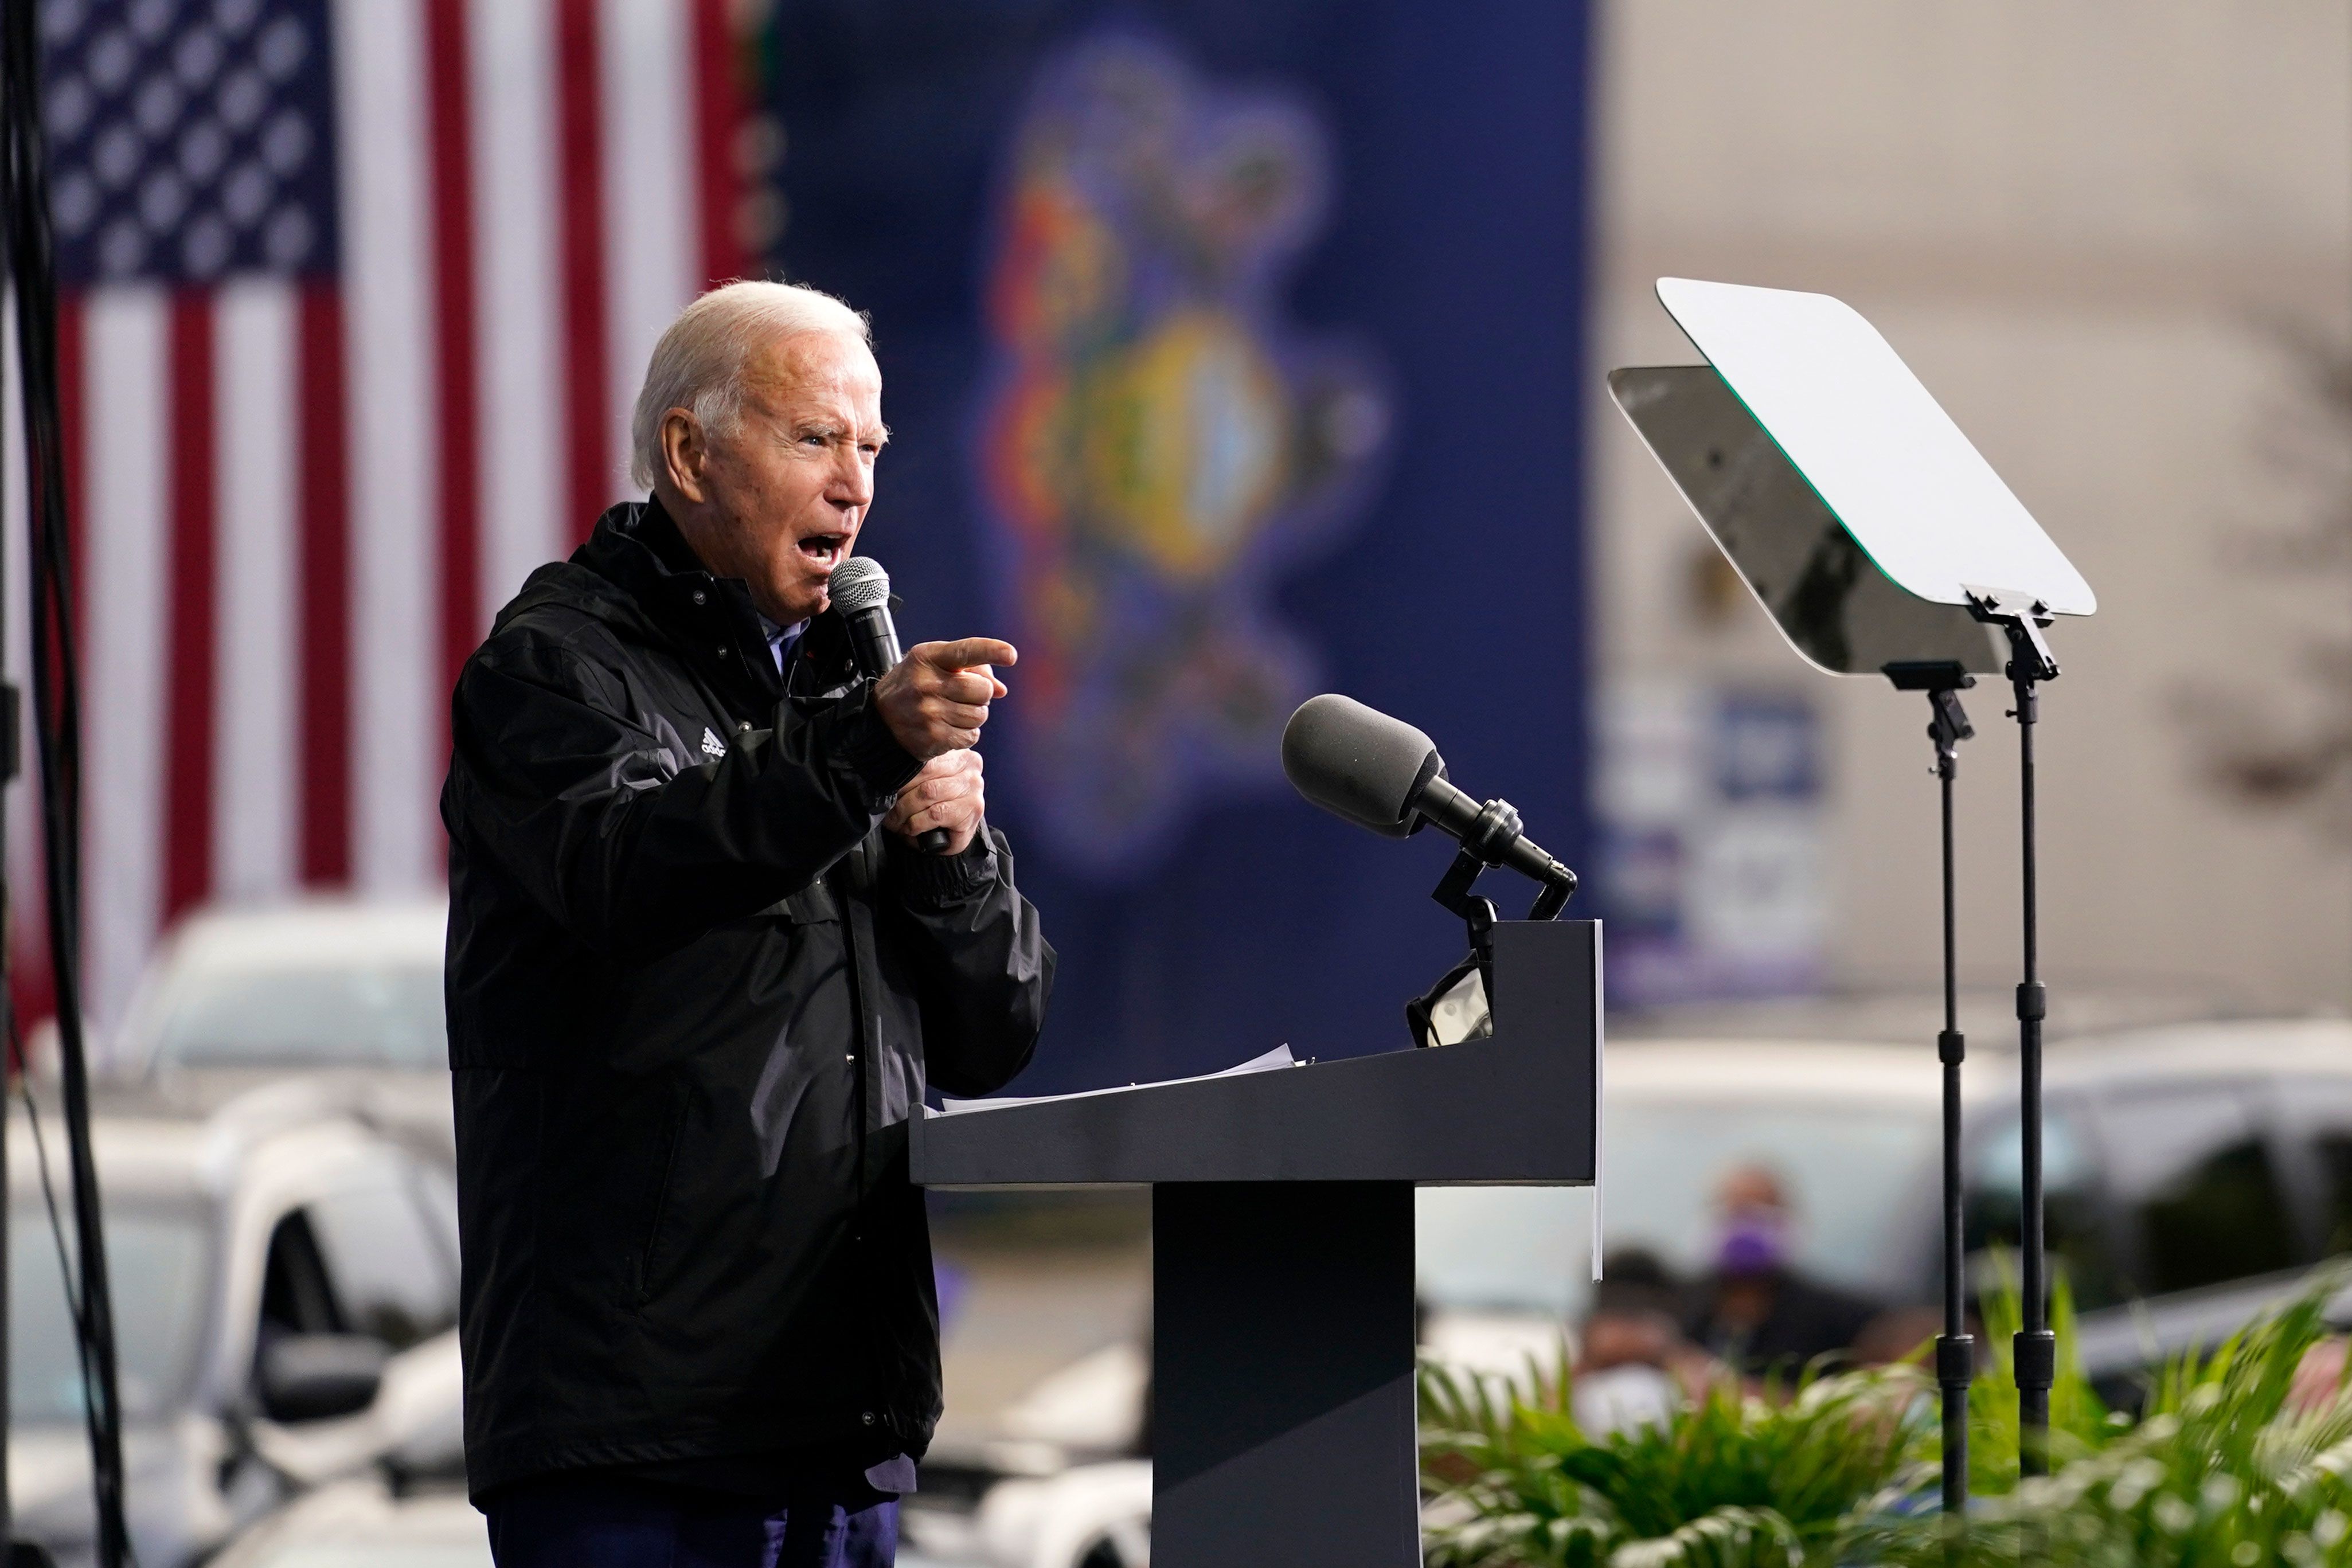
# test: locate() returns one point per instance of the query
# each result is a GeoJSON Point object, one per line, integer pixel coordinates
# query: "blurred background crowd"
{"type": "Point", "coordinates": [1232, 352]}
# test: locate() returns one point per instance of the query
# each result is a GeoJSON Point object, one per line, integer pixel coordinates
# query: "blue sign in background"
{"type": "Point", "coordinates": [1446, 583]}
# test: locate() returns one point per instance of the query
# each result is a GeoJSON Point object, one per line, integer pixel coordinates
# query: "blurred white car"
{"type": "Point", "coordinates": [321, 983]}
{"type": "Point", "coordinates": [2193, 1173]}
{"type": "Point", "coordinates": [329, 990]}
{"type": "Point", "coordinates": [285, 1286]}
{"type": "Point", "coordinates": [363, 1523]}
{"type": "Point", "coordinates": [1091, 1516]}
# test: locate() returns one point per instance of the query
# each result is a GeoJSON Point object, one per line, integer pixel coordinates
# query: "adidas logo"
{"type": "Point", "coordinates": [711, 744]}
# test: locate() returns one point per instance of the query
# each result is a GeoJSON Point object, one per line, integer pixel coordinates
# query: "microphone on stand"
{"type": "Point", "coordinates": [1361, 765]}
{"type": "Point", "coordinates": [860, 590]}
{"type": "Point", "coordinates": [1381, 773]}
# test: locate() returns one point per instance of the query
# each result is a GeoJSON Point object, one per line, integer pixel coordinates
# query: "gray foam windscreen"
{"type": "Point", "coordinates": [858, 583]}
{"type": "Point", "coordinates": [1356, 762]}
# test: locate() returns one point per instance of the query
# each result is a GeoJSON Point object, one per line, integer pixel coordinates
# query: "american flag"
{"type": "Point", "coordinates": [355, 299]}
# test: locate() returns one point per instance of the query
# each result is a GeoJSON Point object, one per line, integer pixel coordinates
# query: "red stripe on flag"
{"type": "Point", "coordinates": [588, 444]}
{"type": "Point", "coordinates": [718, 126]}
{"type": "Point", "coordinates": [455, 323]}
{"type": "Point", "coordinates": [323, 570]}
{"type": "Point", "coordinates": [193, 547]}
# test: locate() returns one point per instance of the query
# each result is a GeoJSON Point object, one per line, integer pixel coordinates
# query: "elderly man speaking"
{"type": "Point", "coordinates": [699, 973]}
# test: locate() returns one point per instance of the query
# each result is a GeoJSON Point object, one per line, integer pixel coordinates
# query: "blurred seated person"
{"type": "Point", "coordinates": [1755, 1310]}
{"type": "Point", "coordinates": [1631, 1353]}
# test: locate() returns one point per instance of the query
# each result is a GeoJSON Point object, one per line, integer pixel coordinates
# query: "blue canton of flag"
{"type": "Point", "coordinates": [190, 142]}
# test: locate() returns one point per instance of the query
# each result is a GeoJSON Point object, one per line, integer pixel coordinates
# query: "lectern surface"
{"type": "Point", "coordinates": [1518, 1108]}
{"type": "Point", "coordinates": [1884, 456]}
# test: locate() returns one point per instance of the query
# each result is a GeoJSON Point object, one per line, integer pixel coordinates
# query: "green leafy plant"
{"type": "Point", "coordinates": [1727, 1480]}
{"type": "Point", "coordinates": [2242, 1456]}
{"type": "Point", "coordinates": [2080, 1422]}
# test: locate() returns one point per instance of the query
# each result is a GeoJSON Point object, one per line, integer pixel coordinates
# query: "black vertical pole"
{"type": "Point", "coordinates": [8, 996]}
{"type": "Point", "coordinates": [1955, 1350]}
{"type": "Point", "coordinates": [1947, 725]}
{"type": "Point", "coordinates": [2034, 1350]}
{"type": "Point", "coordinates": [32, 271]}
{"type": "Point", "coordinates": [2035, 1347]}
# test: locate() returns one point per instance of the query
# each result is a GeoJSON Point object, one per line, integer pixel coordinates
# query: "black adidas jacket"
{"type": "Point", "coordinates": [694, 993]}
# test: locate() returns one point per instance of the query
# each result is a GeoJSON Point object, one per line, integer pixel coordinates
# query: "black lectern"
{"type": "Point", "coordinates": [1283, 1249]}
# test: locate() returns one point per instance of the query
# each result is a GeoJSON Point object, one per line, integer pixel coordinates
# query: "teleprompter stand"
{"type": "Point", "coordinates": [1283, 1249]}
{"type": "Point", "coordinates": [1861, 519]}
{"type": "Point", "coordinates": [1947, 725]}
{"type": "Point", "coordinates": [2021, 618]}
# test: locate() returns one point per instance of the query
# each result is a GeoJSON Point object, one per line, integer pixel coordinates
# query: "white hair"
{"type": "Point", "coordinates": [699, 363]}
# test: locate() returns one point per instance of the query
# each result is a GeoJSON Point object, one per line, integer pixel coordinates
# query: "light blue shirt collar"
{"type": "Point", "coordinates": [781, 639]}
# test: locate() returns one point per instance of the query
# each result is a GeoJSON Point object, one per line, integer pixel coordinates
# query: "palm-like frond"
{"type": "Point", "coordinates": [1728, 1480]}
{"type": "Point", "coordinates": [2080, 1421]}
{"type": "Point", "coordinates": [2236, 1462]}
{"type": "Point", "coordinates": [2225, 1469]}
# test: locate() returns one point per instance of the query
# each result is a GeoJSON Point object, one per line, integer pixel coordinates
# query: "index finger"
{"type": "Point", "coordinates": [969, 652]}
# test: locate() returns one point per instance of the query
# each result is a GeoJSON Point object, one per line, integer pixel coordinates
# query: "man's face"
{"type": "Point", "coordinates": [785, 493]}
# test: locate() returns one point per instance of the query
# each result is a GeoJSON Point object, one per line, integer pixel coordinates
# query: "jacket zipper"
{"type": "Point", "coordinates": [867, 1028]}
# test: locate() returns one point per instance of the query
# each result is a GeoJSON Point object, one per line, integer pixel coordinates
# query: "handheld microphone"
{"type": "Point", "coordinates": [860, 590]}
{"type": "Point", "coordinates": [1378, 772]}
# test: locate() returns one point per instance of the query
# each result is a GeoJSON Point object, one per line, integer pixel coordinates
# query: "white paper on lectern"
{"type": "Point", "coordinates": [1882, 454]}
{"type": "Point", "coordinates": [1278, 1057]}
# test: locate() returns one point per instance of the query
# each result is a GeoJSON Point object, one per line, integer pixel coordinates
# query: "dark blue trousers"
{"type": "Point", "coordinates": [587, 1521]}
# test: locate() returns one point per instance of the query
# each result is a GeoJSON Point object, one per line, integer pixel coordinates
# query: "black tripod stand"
{"type": "Point", "coordinates": [31, 276]}
{"type": "Point", "coordinates": [1947, 725]}
{"type": "Point", "coordinates": [2031, 663]}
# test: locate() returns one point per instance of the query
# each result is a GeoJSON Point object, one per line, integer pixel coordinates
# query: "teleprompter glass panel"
{"type": "Point", "coordinates": [1836, 608]}
{"type": "Point", "coordinates": [1879, 449]}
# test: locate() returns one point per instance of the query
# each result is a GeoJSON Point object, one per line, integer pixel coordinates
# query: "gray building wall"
{"type": "Point", "coordinates": [2113, 239]}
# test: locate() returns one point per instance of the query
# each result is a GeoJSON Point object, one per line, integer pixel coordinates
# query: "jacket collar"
{"type": "Point", "coordinates": [637, 547]}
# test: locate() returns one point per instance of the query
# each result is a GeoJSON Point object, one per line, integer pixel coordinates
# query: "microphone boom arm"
{"type": "Point", "coordinates": [1490, 835]}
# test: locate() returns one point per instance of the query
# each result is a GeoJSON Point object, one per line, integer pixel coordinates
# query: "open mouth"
{"type": "Point", "coordinates": [824, 548]}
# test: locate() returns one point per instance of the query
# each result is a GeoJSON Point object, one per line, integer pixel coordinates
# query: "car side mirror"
{"type": "Point", "coordinates": [313, 1376]}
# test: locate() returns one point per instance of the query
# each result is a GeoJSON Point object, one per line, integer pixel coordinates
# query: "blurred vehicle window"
{"type": "Point", "coordinates": [2318, 1116]}
{"type": "Point", "coordinates": [368, 1016]}
{"type": "Point", "coordinates": [158, 1265]}
{"type": "Point", "coordinates": [2073, 1215]}
{"type": "Point", "coordinates": [296, 1297]}
{"type": "Point", "coordinates": [391, 1265]}
{"type": "Point", "coordinates": [1852, 1173]}
{"type": "Point", "coordinates": [2196, 1186]}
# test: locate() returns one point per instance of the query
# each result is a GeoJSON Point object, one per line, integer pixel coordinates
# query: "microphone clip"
{"type": "Point", "coordinates": [1452, 890]}
{"type": "Point", "coordinates": [1457, 1007]}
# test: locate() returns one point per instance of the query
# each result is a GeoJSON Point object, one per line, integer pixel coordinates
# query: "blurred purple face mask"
{"type": "Point", "coordinates": [1752, 1241]}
